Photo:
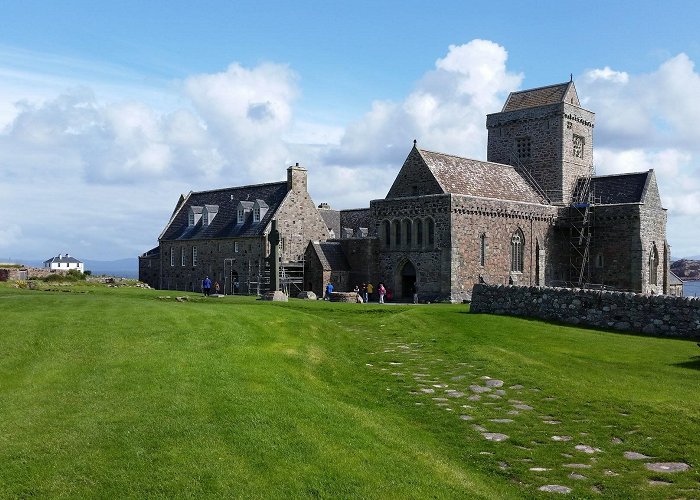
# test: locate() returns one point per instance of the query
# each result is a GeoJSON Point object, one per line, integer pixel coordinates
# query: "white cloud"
{"type": "Point", "coordinates": [607, 74]}
{"type": "Point", "coordinates": [106, 161]}
{"type": "Point", "coordinates": [10, 235]}
{"type": "Point", "coordinates": [445, 111]}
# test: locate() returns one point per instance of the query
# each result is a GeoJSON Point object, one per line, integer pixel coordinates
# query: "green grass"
{"type": "Point", "coordinates": [110, 392]}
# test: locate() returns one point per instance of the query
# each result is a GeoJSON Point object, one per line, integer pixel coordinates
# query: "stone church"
{"type": "Point", "coordinates": [534, 213]}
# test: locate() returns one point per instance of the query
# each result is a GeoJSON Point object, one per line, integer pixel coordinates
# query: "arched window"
{"type": "Point", "coordinates": [653, 265]}
{"type": "Point", "coordinates": [397, 233]}
{"type": "Point", "coordinates": [482, 249]}
{"type": "Point", "coordinates": [385, 233]}
{"type": "Point", "coordinates": [419, 233]}
{"type": "Point", "coordinates": [408, 233]}
{"type": "Point", "coordinates": [431, 232]}
{"type": "Point", "coordinates": [516, 251]}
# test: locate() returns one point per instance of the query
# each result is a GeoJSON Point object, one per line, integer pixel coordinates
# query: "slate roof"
{"type": "Point", "coordinates": [541, 96]}
{"type": "Point", "coordinates": [331, 256]}
{"type": "Point", "coordinates": [619, 188]}
{"type": "Point", "coordinates": [332, 219]}
{"type": "Point", "coordinates": [224, 224]}
{"type": "Point", "coordinates": [63, 259]}
{"type": "Point", "coordinates": [673, 279]}
{"type": "Point", "coordinates": [478, 178]}
{"type": "Point", "coordinates": [356, 218]}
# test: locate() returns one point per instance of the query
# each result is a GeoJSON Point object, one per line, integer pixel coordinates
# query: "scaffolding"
{"type": "Point", "coordinates": [254, 278]}
{"type": "Point", "coordinates": [580, 222]}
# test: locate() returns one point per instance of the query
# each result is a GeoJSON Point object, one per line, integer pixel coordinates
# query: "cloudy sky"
{"type": "Point", "coordinates": [110, 110]}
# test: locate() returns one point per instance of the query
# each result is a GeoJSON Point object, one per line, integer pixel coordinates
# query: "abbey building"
{"type": "Point", "coordinates": [535, 213]}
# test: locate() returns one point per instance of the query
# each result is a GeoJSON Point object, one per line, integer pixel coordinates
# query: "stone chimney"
{"type": "Point", "coordinates": [296, 178]}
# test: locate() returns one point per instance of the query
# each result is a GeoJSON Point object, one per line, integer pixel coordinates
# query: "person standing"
{"type": "Point", "coordinates": [370, 290]}
{"type": "Point", "coordinates": [382, 291]}
{"type": "Point", "coordinates": [206, 286]}
{"type": "Point", "coordinates": [364, 292]}
{"type": "Point", "coordinates": [329, 291]}
{"type": "Point", "coordinates": [414, 289]}
{"type": "Point", "coordinates": [216, 288]}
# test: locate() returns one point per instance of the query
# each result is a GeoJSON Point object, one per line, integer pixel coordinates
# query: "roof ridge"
{"type": "Point", "coordinates": [541, 88]}
{"type": "Point", "coordinates": [645, 172]}
{"type": "Point", "coordinates": [240, 187]}
{"type": "Point", "coordinates": [485, 162]}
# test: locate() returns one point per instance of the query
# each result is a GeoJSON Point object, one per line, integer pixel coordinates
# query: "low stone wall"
{"type": "Point", "coordinates": [651, 314]}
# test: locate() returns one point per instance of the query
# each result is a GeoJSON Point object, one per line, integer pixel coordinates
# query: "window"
{"type": "Point", "coordinates": [653, 265]}
{"type": "Point", "coordinates": [387, 233]}
{"type": "Point", "coordinates": [235, 247]}
{"type": "Point", "coordinates": [194, 256]}
{"type": "Point", "coordinates": [482, 249]}
{"type": "Point", "coordinates": [414, 190]}
{"type": "Point", "coordinates": [182, 257]}
{"type": "Point", "coordinates": [516, 252]}
{"type": "Point", "coordinates": [172, 256]}
{"type": "Point", "coordinates": [407, 230]}
{"type": "Point", "coordinates": [205, 218]}
{"type": "Point", "coordinates": [599, 260]}
{"type": "Point", "coordinates": [256, 214]}
{"type": "Point", "coordinates": [190, 219]}
{"type": "Point", "coordinates": [419, 232]}
{"type": "Point", "coordinates": [523, 148]}
{"type": "Point", "coordinates": [397, 232]}
{"type": "Point", "coordinates": [240, 215]}
{"type": "Point", "coordinates": [578, 146]}
{"type": "Point", "coordinates": [431, 232]}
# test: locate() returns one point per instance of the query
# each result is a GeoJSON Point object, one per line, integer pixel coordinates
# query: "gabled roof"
{"type": "Point", "coordinates": [541, 96]}
{"type": "Point", "coordinates": [331, 218]}
{"type": "Point", "coordinates": [331, 256]}
{"type": "Point", "coordinates": [478, 178]}
{"type": "Point", "coordinates": [673, 279]}
{"type": "Point", "coordinates": [619, 188]}
{"type": "Point", "coordinates": [63, 259]}
{"type": "Point", "coordinates": [224, 224]}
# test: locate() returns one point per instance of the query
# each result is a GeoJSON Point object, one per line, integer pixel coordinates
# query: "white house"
{"type": "Point", "coordinates": [63, 263]}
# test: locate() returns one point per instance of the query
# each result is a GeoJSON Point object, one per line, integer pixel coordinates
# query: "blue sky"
{"type": "Point", "coordinates": [110, 110]}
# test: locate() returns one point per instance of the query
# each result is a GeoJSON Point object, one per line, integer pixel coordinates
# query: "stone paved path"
{"type": "Point", "coordinates": [487, 395]}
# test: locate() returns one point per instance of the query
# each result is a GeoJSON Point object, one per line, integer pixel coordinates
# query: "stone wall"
{"type": "Point", "coordinates": [650, 314]}
{"type": "Point", "coordinates": [20, 273]}
{"type": "Point", "coordinates": [497, 221]}
{"type": "Point", "coordinates": [550, 131]}
{"type": "Point", "coordinates": [429, 256]}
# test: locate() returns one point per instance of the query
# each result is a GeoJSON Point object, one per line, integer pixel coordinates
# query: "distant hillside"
{"type": "Point", "coordinates": [686, 269]}
{"type": "Point", "coordinates": [126, 268]}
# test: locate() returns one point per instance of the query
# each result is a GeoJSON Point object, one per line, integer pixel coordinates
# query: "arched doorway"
{"type": "Point", "coordinates": [407, 279]}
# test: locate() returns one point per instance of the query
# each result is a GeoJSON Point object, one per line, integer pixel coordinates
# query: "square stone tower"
{"type": "Point", "coordinates": [547, 136]}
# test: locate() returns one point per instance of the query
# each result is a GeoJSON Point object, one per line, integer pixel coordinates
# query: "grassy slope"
{"type": "Point", "coordinates": [114, 392]}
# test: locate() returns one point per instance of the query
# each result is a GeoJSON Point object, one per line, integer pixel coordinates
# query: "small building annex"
{"type": "Point", "coordinates": [64, 262]}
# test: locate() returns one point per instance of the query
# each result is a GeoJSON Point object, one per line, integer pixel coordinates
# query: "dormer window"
{"type": "Point", "coordinates": [208, 214]}
{"type": "Point", "coordinates": [241, 210]}
{"type": "Point", "coordinates": [259, 210]}
{"type": "Point", "coordinates": [195, 213]}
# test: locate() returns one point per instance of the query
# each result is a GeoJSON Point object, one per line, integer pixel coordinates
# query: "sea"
{"type": "Point", "coordinates": [691, 288]}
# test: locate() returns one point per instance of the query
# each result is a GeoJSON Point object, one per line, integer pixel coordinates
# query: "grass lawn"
{"type": "Point", "coordinates": [114, 392]}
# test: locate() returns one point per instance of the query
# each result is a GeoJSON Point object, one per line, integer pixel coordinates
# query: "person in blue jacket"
{"type": "Point", "coordinates": [206, 286]}
{"type": "Point", "coordinates": [329, 291]}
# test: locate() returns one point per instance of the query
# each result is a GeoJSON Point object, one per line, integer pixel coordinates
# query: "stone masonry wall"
{"type": "Point", "coordinates": [497, 221]}
{"type": "Point", "coordinates": [650, 314]}
{"type": "Point", "coordinates": [551, 131]}
{"type": "Point", "coordinates": [431, 260]}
